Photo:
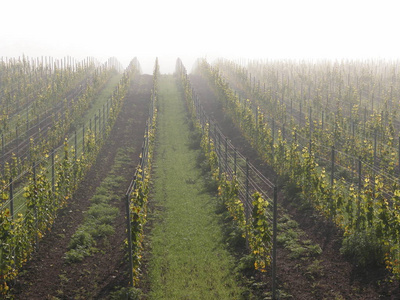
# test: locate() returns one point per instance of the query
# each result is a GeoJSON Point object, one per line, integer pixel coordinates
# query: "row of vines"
{"type": "Point", "coordinates": [253, 210]}
{"type": "Point", "coordinates": [342, 160]}
{"type": "Point", "coordinates": [44, 129]}
{"type": "Point", "coordinates": [138, 191]}
{"type": "Point", "coordinates": [27, 213]}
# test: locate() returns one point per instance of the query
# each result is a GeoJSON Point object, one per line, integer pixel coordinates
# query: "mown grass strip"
{"type": "Point", "coordinates": [189, 257]}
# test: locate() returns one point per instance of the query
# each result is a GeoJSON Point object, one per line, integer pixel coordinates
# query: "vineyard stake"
{"type": "Point", "coordinates": [52, 172]}
{"type": "Point", "coordinates": [374, 167]}
{"type": "Point", "coordinates": [76, 146]}
{"type": "Point", "coordinates": [310, 121]}
{"type": "Point", "coordinates": [219, 144]}
{"type": "Point", "coordinates": [375, 146]}
{"type": "Point", "coordinates": [2, 153]}
{"type": "Point", "coordinates": [11, 199]}
{"type": "Point", "coordinates": [399, 154]}
{"type": "Point", "coordinates": [108, 109]}
{"type": "Point", "coordinates": [99, 122]}
{"type": "Point", "coordinates": [83, 138]}
{"type": "Point", "coordinates": [333, 165]}
{"type": "Point", "coordinates": [273, 138]}
{"type": "Point", "coordinates": [128, 227]}
{"type": "Point", "coordinates": [104, 120]}
{"type": "Point", "coordinates": [359, 188]}
{"type": "Point", "coordinates": [300, 113]}
{"type": "Point", "coordinates": [234, 161]}
{"type": "Point", "coordinates": [226, 154]}
{"type": "Point", "coordinates": [274, 234]}
{"type": "Point", "coordinates": [12, 217]}
{"type": "Point", "coordinates": [257, 127]}
{"type": "Point", "coordinates": [247, 182]}
{"type": "Point", "coordinates": [17, 140]}
{"type": "Point", "coordinates": [95, 126]}
{"type": "Point", "coordinates": [35, 210]}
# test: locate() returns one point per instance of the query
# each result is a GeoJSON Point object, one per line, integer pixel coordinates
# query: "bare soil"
{"type": "Point", "coordinates": [338, 278]}
{"type": "Point", "coordinates": [47, 275]}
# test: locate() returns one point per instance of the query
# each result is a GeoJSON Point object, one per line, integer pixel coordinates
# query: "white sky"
{"type": "Point", "coordinates": [167, 29]}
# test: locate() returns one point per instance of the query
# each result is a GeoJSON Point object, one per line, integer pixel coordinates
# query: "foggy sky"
{"type": "Point", "coordinates": [279, 29]}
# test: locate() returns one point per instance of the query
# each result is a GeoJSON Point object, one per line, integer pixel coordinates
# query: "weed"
{"type": "Point", "coordinates": [194, 139]}
{"type": "Point", "coordinates": [126, 294]}
{"type": "Point", "coordinates": [246, 264]}
{"type": "Point", "coordinates": [112, 182]}
{"type": "Point", "coordinates": [81, 239]}
{"type": "Point", "coordinates": [314, 250]}
{"type": "Point", "coordinates": [315, 269]}
{"type": "Point", "coordinates": [99, 199]}
{"type": "Point", "coordinates": [63, 278]}
{"type": "Point", "coordinates": [102, 230]}
{"type": "Point", "coordinates": [289, 236]}
{"type": "Point", "coordinates": [76, 255]}
{"type": "Point", "coordinates": [363, 248]}
{"type": "Point", "coordinates": [102, 190]}
{"type": "Point", "coordinates": [297, 251]}
{"type": "Point", "coordinates": [102, 213]}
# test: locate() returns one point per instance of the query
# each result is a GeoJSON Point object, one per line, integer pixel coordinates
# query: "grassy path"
{"type": "Point", "coordinates": [189, 259]}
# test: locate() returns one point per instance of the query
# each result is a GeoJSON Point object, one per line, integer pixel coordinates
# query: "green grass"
{"type": "Point", "coordinates": [189, 259]}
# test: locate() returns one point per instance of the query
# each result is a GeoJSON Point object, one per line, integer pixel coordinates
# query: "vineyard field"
{"type": "Point", "coordinates": [256, 180]}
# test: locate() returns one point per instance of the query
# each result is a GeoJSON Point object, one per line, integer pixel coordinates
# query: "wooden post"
{"type": "Point", "coordinates": [27, 121]}
{"type": "Point", "coordinates": [35, 210]}
{"type": "Point", "coordinates": [234, 161]}
{"type": "Point", "coordinates": [291, 107]}
{"type": "Point", "coordinates": [399, 155]}
{"type": "Point", "coordinates": [273, 138]}
{"type": "Point", "coordinates": [247, 183]}
{"type": "Point", "coordinates": [17, 140]}
{"type": "Point", "coordinates": [128, 227]}
{"type": "Point", "coordinates": [375, 147]}
{"type": "Point", "coordinates": [11, 199]}
{"type": "Point", "coordinates": [76, 146]}
{"type": "Point", "coordinates": [104, 119]}
{"type": "Point", "coordinates": [300, 113]}
{"type": "Point", "coordinates": [359, 187]}
{"type": "Point", "coordinates": [83, 138]}
{"type": "Point", "coordinates": [274, 243]}
{"type": "Point", "coordinates": [226, 155]}
{"type": "Point", "coordinates": [95, 126]}
{"type": "Point", "coordinates": [322, 120]}
{"type": "Point", "coordinates": [257, 127]}
{"type": "Point", "coordinates": [332, 165]}
{"type": "Point", "coordinates": [309, 120]}
{"type": "Point", "coordinates": [3, 159]}
{"type": "Point", "coordinates": [99, 122]}
{"type": "Point", "coordinates": [53, 173]}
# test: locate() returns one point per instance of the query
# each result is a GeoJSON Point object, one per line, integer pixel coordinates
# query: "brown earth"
{"type": "Point", "coordinates": [47, 275]}
{"type": "Point", "coordinates": [337, 278]}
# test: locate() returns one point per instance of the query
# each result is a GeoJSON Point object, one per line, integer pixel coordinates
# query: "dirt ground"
{"type": "Point", "coordinates": [46, 275]}
{"type": "Point", "coordinates": [339, 278]}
